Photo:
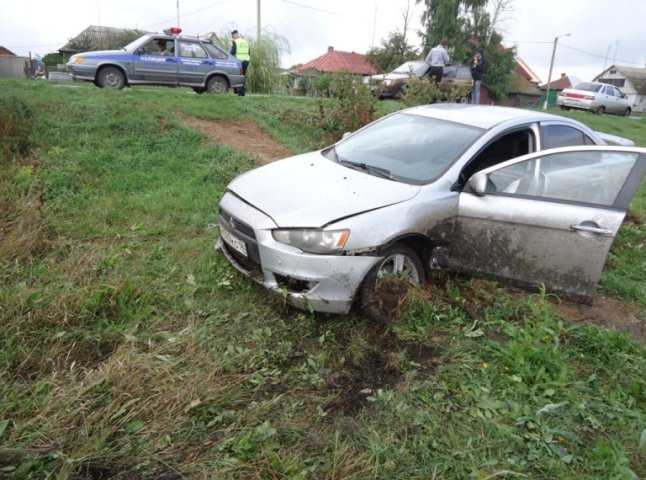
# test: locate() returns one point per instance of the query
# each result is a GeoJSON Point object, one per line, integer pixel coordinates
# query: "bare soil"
{"type": "Point", "coordinates": [247, 137]}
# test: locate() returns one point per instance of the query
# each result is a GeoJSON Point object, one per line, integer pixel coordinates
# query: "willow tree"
{"type": "Point", "coordinates": [263, 74]}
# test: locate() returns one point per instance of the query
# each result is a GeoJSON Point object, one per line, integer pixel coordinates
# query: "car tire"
{"type": "Point", "coordinates": [111, 77]}
{"type": "Point", "coordinates": [600, 110]}
{"type": "Point", "coordinates": [217, 85]}
{"type": "Point", "coordinates": [400, 262]}
{"type": "Point", "coordinates": [627, 112]}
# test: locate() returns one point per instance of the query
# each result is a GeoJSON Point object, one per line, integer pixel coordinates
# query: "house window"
{"type": "Point", "coordinates": [617, 82]}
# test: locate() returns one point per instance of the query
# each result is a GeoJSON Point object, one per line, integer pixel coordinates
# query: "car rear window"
{"type": "Point", "coordinates": [588, 87]}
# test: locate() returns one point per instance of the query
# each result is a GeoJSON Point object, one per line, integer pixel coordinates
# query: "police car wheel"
{"type": "Point", "coordinates": [111, 77]}
{"type": "Point", "coordinates": [217, 85]}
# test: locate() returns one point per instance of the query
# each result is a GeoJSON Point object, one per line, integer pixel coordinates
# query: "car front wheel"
{"type": "Point", "coordinates": [111, 77]}
{"type": "Point", "coordinates": [386, 284]}
{"type": "Point", "coordinates": [600, 110]}
{"type": "Point", "coordinates": [627, 112]}
{"type": "Point", "coordinates": [217, 85]}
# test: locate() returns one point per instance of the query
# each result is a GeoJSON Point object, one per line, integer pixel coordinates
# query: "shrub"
{"type": "Point", "coordinates": [15, 126]}
{"type": "Point", "coordinates": [355, 107]}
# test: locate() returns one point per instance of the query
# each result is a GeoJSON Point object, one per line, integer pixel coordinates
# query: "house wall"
{"type": "Point", "coordinates": [14, 67]}
{"type": "Point", "coordinates": [619, 80]}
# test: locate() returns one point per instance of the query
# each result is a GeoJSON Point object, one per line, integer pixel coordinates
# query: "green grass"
{"type": "Point", "coordinates": [130, 349]}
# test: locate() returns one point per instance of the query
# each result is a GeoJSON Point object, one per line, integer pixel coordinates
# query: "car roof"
{"type": "Point", "coordinates": [483, 116]}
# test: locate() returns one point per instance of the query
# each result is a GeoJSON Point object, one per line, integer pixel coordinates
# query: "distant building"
{"type": "Point", "coordinates": [337, 62]}
{"type": "Point", "coordinates": [557, 86]}
{"type": "Point", "coordinates": [630, 80]}
{"type": "Point", "coordinates": [13, 66]}
{"type": "Point", "coordinates": [99, 38]}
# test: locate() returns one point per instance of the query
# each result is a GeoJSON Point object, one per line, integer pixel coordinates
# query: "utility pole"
{"type": "Point", "coordinates": [258, 29]}
{"type": "Point", "coordinates": [178, 13]}
{"type": "Point", "coordinates": [549, 75]}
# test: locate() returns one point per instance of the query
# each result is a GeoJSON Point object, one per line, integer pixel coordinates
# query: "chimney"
{"type": "Point", "coordinates": [330, 49]}
{"type": "Point", "coordinates": [563, 75]}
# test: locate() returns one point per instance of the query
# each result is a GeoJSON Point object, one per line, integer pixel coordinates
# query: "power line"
{"type": "Point", "coordinates": [311, 8]}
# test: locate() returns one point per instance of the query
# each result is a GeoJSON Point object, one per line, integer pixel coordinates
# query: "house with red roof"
{"type": "Point", "coordinates": [335, 61]}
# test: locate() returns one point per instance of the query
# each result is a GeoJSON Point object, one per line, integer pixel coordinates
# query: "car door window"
{"type": "Point", "coordinates": [191, 50]}
{"type": "Point", "coordinates": [555, 136]}
{"type": "Point", "coordinates": [591, 177]}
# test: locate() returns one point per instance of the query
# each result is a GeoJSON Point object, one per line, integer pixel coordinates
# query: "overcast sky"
{"type": "Point", "coordinates": [601, 32]}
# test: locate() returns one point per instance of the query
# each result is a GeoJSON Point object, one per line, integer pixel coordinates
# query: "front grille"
{"type": "Point", "coordinates": [235, 225]}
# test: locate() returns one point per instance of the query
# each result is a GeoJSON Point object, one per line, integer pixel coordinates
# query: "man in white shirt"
{"type": "Point", "coordinates": [437, 58]}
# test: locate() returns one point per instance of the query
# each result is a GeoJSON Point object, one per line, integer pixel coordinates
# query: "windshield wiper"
{"type": "Point", "coordinates": [379, 171]}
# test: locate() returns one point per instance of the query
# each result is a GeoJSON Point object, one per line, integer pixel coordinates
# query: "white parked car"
{"type": "Point", "coordinates": [520, 196]}
{"type": "Point", "coordinates": [596, 97]}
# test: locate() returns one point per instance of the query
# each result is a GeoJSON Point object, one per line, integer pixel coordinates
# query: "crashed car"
{"type": "Point", "coordinates": [523, 197]}
{"type": "Point", "coordinates": [393, 84]}
{"type": "Point", "coordinates": [167, 59]}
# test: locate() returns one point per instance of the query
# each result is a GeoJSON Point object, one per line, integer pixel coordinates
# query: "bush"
{"type": "Point", "coordinates": [15, 126]}
{"type": "Point", "coordinates": [354, 109]}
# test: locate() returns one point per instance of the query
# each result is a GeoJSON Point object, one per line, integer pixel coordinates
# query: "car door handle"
{"type": "Point", "coordinates": [589, 229]}
{"type": "Point", "coordinates": [206, 62]}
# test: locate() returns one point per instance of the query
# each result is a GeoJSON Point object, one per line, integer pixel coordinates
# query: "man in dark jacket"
{"type": "Point", "coordinates": [477, 71]}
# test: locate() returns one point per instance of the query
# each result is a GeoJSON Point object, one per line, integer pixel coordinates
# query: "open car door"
{"type": "Point", "coordinates": [546, 218]}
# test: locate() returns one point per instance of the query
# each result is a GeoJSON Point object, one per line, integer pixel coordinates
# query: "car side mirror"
{"type": "Point", "coordinates": [478, 184]}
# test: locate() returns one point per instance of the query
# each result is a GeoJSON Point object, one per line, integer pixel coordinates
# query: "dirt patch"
{"type": "Point", "coordinates": [245, 136]}
{"type": "Point", "coordinates": [606, 312]}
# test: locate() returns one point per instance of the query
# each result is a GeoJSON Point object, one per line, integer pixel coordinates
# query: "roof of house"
{"type": "Point", "coordinates": [96, 34]}
{"type": "Point", "coordinates": [566, 81]}
{"type": "Point", "coordinates": [527, 73]}
{"type": "Point", "coordinates": [636, 76]}
{"type": "Point", "coordinates": [6, 51]}
{"type": "Point", "coordinates": [520, 84]}
{"type": "Point", "coordinates": [336, 62]}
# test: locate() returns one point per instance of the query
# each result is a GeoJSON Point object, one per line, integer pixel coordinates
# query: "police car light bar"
{"type": "Point", "coordinates": [173, 31]}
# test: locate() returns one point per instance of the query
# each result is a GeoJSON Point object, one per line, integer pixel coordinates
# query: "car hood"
{"type": "Point", "coordinates": [311, 191]}
{"type": "Point", "coordinates": [399, 76]}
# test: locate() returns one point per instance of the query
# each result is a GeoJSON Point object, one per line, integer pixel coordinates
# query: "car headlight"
{"type": "Point", "coordinates": [313, 240]}
{"type": "Point", "coordinates": [78, 60]}
{"type": "Point", "coordinates": [388, 83]}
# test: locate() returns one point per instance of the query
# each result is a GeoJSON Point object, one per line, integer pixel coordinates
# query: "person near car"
{"type": "Point", "coordinates": [240, 50]}
{"type": "Point", "coordinates": [437, 58]}
{"type": "Point", "coordinates": [477, 71]}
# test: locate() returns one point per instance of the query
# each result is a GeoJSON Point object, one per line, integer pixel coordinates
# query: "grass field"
{"type": "Point", "coordinates": [131, 350]}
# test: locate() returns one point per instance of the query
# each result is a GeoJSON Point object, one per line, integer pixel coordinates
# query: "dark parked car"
{"type": "Point", "coordinates": [167, 59]}
{"type": "Point", "coordinates": [393, 84]}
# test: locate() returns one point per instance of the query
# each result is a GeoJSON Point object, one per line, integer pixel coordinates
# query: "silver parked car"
{"type": "Point", "coordinates": [161, 59]}
{"type": "Point", "coordinates": [519, 196]}
{"type": "Point", "coordinates": [596, 97]}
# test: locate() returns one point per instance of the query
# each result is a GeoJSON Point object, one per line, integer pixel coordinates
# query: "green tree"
{"type": "Point", "coordinates": [467, 25]}
{"type": "Point", "coordinates": [393, 52]}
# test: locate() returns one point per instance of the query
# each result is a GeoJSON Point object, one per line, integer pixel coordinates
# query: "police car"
{"type": "Point", "coordinates": [161, 59]}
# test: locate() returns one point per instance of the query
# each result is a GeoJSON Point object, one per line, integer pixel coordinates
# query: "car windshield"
{"type": "Point", "coordinates": [136, 43]}
{"type": "Point", "coordinates": [410, 148]}
{"type": "Point", "coordinates": [413, 68]}
{"type": "Point", "coordinates": [588, 87]}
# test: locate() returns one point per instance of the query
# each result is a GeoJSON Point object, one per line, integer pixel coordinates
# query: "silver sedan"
{"type": "Point", "coordinates": [595, 97]}
{"type": "Point", "coordinates": [524, 197]}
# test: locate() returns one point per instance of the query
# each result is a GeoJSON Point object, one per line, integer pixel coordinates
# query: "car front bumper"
{"type": "Point", "coordinates": [322, 283]}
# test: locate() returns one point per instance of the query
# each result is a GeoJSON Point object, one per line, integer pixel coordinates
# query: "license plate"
{"type": "Point", "coordinates": [233, 242]}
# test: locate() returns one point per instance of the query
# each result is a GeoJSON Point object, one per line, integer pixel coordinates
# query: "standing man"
{"type": "Point", "coordinates": [477, 71]}
{"type": "Point", "coordinates": [437, 58]}
{"type": "Point", "coordinates": [240, 49]}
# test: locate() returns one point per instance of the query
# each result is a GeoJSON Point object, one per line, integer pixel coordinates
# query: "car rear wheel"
{"type": "Point", "coordinates": [387, 283]}
{"type": "Point", "coordinates": [111, 77]}
{"type": "Point", "coordinates": [600, 110]}
{"type": "Point", "coordinates": [217, 85]}
{"type": "Point", "coordinates": [627, 112]}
